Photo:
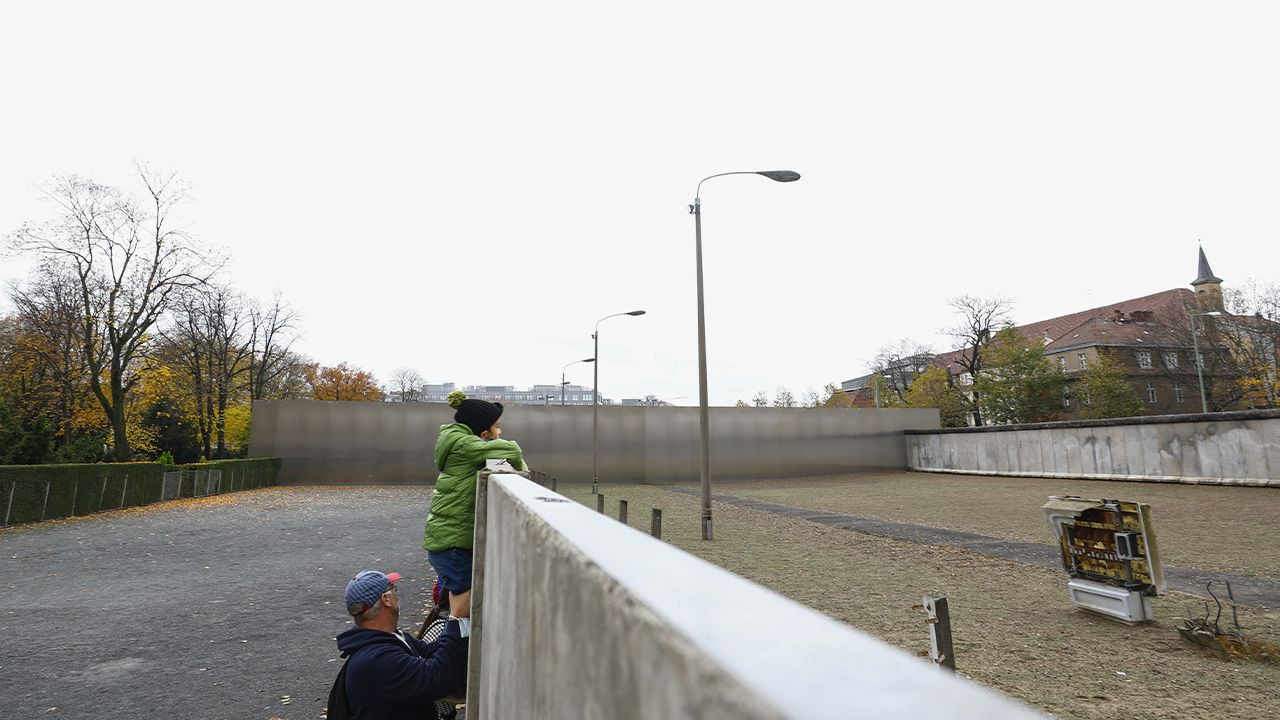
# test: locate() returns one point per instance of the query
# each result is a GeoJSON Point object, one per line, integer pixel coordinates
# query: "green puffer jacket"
{"type": "Point", "coordinates": [460, 454]}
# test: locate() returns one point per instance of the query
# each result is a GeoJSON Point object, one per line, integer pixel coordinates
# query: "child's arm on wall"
{"type": "Point", "coordinates": [478, 450]}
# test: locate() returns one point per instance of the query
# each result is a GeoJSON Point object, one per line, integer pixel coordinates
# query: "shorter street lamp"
{"type": "Point", "coordinates": [564, 382]}
{"type": "Point", "coordinates": [595, 401]}
{"type": "Point", "coordinates": [1195, 347]}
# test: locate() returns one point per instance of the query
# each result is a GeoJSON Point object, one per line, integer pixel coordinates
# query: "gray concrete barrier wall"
{"type": "Point", "coordinates": [579, 616]}
{"type": "Point", "coordinates": [336, 443]}
{"type": "Point", "coordinates": [1237, 448]}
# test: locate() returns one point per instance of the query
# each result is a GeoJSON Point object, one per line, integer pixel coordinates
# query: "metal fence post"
{"type": "Point", "coordinates": [656, 529]}
{"type": "Point", "coordinates": [102, 496]}
{"type": "Point", "coordinates": [12, 486]}
{"type": "Point", "coordinates": [46, 499]}
{"type": "Point", "coordinates": [75, 490]}
{"type": "Point", "coordinates": [123, 487]}
{"type": "Point", "coordinates": [622, 511]}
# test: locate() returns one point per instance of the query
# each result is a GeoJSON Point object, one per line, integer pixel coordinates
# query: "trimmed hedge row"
{"type": "Point", "coordinates": [32, 493]}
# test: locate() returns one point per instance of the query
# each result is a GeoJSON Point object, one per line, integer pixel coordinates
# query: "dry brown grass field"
{"type": "Point", "coordinates": [1014, 628]}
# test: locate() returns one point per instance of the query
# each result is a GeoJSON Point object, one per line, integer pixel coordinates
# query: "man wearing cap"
{"type": "Point", "coordinates": [391, 674]}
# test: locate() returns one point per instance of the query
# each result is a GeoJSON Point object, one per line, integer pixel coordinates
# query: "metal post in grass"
{"type": "Point", "coordinates": [102, 496]}
{"type": "Point", "coordinates": [75, 490]}
{"type": "Point", "coordinates": [938, 615]}
{"type": "Point", "coordinates": [622, 511]}
{"type": "Point", "coordinates": [124, 486]}
{"type": "Point", "coordinates": [600, 503]}
{"type": "Point", "coordinates": [656, 528]}
{"type": "Point", "coordinates": [46, 500]}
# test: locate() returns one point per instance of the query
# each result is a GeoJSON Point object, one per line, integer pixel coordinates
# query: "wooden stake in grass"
{"type": "Point", "coordinates": [656, 529]}
{"type": "Point", "coordinates": [938, 615]}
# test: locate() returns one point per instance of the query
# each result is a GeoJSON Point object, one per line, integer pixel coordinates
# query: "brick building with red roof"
{"type": "Point", "coordinates": [1149, 336]}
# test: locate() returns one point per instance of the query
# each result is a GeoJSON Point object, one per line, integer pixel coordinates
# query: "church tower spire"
{"type": "Point", "coordinates": [1208, 286]}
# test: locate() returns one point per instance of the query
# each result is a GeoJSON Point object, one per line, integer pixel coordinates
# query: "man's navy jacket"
{"type": "Point", "coordinates": [398, 677]}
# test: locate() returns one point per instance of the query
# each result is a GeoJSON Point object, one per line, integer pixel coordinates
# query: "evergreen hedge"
{"type": "Point", "coordinates": [32, 493]}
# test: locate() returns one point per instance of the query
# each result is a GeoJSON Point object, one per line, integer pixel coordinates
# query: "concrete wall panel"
{"type": "Point", "coordinates": [1237, 448]}
{"type": "Point", "coordinates": [618, 643]}
{"type": "Point", "coordinates": [333, 443]}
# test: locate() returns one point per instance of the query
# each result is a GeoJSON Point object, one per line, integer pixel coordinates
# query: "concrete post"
{"type": "Point", "coordinates": [622, 511]}
{"type": "Point", "coordinates": [553, 483]}
{"type": "Point", "coordinates": [656, 528]}
{"type": "Point", "coordinates": [600, 503]}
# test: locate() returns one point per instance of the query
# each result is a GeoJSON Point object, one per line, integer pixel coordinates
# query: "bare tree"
{"type": "Point", "coordinates": [811, 398]}
{"type": "Point", "coordinates": [783, 398]}
{"type": "Point", "coordinates": [406, 382]}
{"type": "Point", "coordinates": [129, 261]}
{"type": "Point", "coordinates": [211, 335]}
{"type": "Point", "coordinates": [760, 399]}
{"type": "Point", "coordinates": [899, 364]}
{"type": "Point", "coordinates": [48, 311]}
{"type": "Point", "coordinates": [273, 364]}
{"type": "Point", "coordinates": [980, 319]}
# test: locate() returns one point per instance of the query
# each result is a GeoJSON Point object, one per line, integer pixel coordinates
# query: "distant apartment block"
{"type": "Point", "coordinates": [536, 395]}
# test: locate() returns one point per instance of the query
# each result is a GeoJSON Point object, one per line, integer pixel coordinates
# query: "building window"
{"type": "Point", "coordinates": [1171, 359]}
{"type": "Point", "coordinates": [1144, 359]}
{"type": "Point", "coordinates": [1177, 392]}
{"type": "Point", "coordinates": [1062, 363]}
{"type": "Point", "coordinates": [1151, 392]}
{"type": "Point", "coordinates": [1084, 364]}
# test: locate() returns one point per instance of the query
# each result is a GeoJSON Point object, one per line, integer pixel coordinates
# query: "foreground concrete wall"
{"type": "Point", "coordinates": [579, 616]}
{"type": "Point", "coordinates": [1238, 448]}
{"type": "Point", "coordinates": [335, 443]}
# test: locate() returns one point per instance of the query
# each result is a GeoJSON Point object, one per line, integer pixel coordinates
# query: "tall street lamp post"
{"type": "Point", "coordinates": [564, 382]}
{"type": "Point", "coordinates": [595, 400]}
{"type": "Point", "coordinates": [1195, 347]}
{"type": "Point", "coordinates": [703, 426]}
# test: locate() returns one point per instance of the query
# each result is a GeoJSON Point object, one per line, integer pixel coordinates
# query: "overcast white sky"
{"type": "Point", "coordinates": [465, 188]}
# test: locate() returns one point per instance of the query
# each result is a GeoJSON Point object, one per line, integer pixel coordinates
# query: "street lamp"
{"type": "Point", "coordinates": [564, 382]}
{"type": "Point", "coordinates": [1195, 347]}
{"type": "Point", "coordinates": [595, 400]}
{"type": "Point", "coordinates": [696, 210]}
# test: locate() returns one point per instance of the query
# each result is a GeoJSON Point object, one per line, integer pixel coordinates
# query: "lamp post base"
{"type": "Point", "coordinates": [595, 487]}
{"type": "Point", "coordinates": [706, 525]}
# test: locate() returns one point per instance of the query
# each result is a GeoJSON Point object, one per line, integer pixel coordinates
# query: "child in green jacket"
{"type": "Point", "coordinates": [461, 451]}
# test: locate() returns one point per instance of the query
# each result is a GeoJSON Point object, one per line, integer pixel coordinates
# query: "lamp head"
{"type": "Point", "coordinates": [636, 312]}
{"type": "Point", "coordinates": [780, 175]}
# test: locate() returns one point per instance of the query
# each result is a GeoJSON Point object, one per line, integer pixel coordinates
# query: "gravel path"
{"type": "Point", "coordinates": [1189, 580]}
{"type": "Point", "coordinates": [221, 607]}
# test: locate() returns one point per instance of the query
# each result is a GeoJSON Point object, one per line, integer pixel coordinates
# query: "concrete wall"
{"type": "Point", "coordinates": [578, 616]}
{"type": "Point", "coordinates": [335, 443]}
{"type": "Point", "coordinates": [1235, 448]}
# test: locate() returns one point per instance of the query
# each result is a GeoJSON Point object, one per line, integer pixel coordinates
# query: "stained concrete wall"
{"type": "Point", "coordinates": [337, 443]}
{"type": "Point", "coordinates": [578, 616]}
{"type": "Point", "coordinates": [1236, 448]}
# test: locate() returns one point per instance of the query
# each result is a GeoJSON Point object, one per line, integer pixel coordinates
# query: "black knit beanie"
{"type": "Point", "coordinates": [479, 415]}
